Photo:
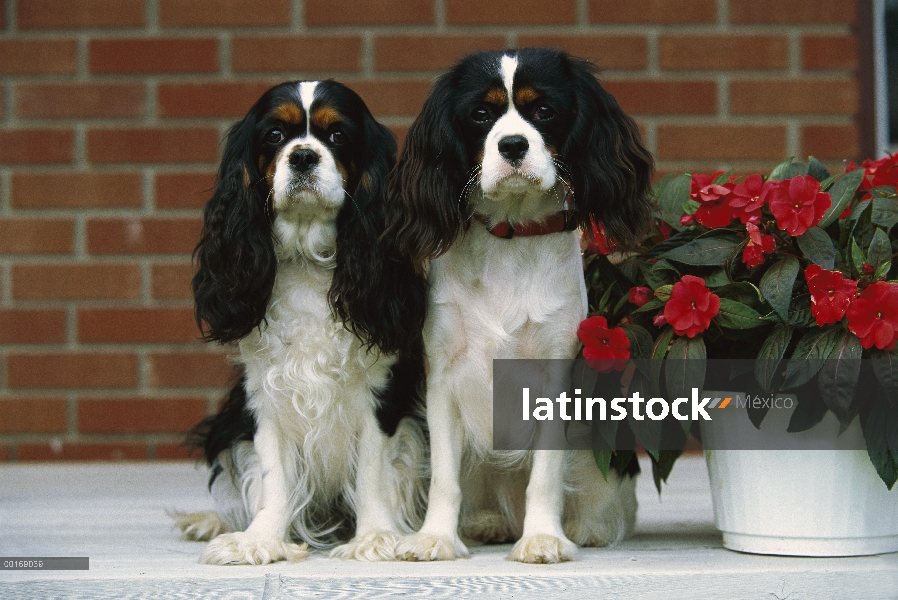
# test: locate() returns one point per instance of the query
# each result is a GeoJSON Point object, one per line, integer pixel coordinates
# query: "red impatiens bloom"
{"type": "Point", "coordinates": [758, 246]}
{"type": "Point", "coordinates": [691, 306]}
{"type": "Point", "coordinates": [604, 349]}
{"type": "Point", "coordinates": [639, 295]}
{"type": "Point", "coordinates": [873, 316]}
{"type": "Point", "coordinates": [798, 204]}
{"type": "Point", "coordinates": [881, 172]}
{"type": "Point", "coordinates": [714, 211]}
{"type": "Point", "coordinates": [831, 294]}
{"type": "Point", "coordinates": [600, 243]}
{"type": "Point", "coordinates": [748, 198]}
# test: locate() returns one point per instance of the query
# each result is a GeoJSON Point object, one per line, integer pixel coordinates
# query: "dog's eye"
{"type": "Point", "coordinates": [543, 112]}
{"type": "Point", "coordinates": [339, 137]}
{"type": "Point", "coordinates": [481, 115]}
{"type": "Point", "coordinates": [275, 136]}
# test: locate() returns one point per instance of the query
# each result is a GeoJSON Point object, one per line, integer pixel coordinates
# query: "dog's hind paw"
{"type": "Point", "coordinates": [428, 547]}
{"type": "Point", "coordinates": [199, 526]}
{"type": "Point", "coordinates": [543, 549]}
{"type": "Point", "coordinates": [241, 548]}
{"type": "Point", "coordinates": [374, 546]}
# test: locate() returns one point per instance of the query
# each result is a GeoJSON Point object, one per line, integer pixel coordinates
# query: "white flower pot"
{"type": "Point", "coordinates": [797, 502]}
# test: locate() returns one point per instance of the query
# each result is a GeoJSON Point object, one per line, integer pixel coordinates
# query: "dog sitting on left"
{"type": "Point", "coordinates": [321, 441]}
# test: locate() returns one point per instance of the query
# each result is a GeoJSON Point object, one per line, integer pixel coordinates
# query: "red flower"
{"type": "Point", "coordinates": [758, 246]}
{"type": "Point", "coordinates": [748, 198]}
{"type": "Point", "coordinates": [687, 220]}
{"type": "Point", "coordinates": [873, 316]}
{"type": "Point", "coordinates": [713, 211]}
{"type": "Point", "coordinates": [798, 204]}
{"type": "Point", "coordinates": [831, 295]}
{"type": "Point", "coordinates": [882, 172]}
{"type": "Point", "coordinates": [599, 242]}
{"type": "Point", "coordinates": [604, 349]}
{"type": "Point", "coordinates": [639, 295]}
{"type": "Point", "coordinates": [660, 320]}
{"type": "Point", "coordinates": [691, 306]}
{"type": "Point", "coordinates": [665, 229]}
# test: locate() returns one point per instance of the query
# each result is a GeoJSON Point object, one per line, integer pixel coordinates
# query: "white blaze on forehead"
{"type": "Point", "coordinates": [508, 66]}
{"type": "Point", "coordinates": [307, 96]}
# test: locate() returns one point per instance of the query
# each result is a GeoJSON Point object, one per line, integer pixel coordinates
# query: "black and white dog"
{"type": "Point", "coordinates": [318, 442]}
{"type": "Point", "coordinates": [512, 153]}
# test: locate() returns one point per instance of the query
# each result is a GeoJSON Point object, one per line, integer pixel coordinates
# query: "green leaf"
{"type": "Point", "coordinates": [787, 170]}
{"type": "Point", "coordinates": [818, 247]}
{"type": "Point", "coordinates": [880, 251]}
{"type": "Point", "coordinates": [838, 377]}
{"type": "Point", "coordinates": [735, 315]}
{"type": "Point", "coordinates": [810, 353]}
{"type": "Point", "coordinates": [603, 461]}
{"type": "Point", "coordinates": [885, 365]}
{"type": "Point", "coordinates": [671, 198]}
{"type": "Point", "coordinates": [771, 354]}
{"type": "Point", "coordinates": [841, 193]}
{"type": "Point", "coordinates": [662, 467]}
{"type": "Point", "coordinates": [857, 257]}
{"type": "Point", "coordinates": [710, 250]}
{"type": "Point", "coordinates": [809, 411]}
{"type": "Point", "coordinates": [741, 291]}
{"type": "Point", "coordinates": [885, 212]}
{"type": "Point", "coordinates": [717, 278]}
{"type": "Point", "coordinates": [640, 341]}
{"type": "Point", "coordinates": [777, 283]}
{"type": "Point", "coordinates": [663, 292]}
{"type": "Point", "coordinates": [876, 434]}
{"type": "Point", "coordinates": [649, 306]}
{"type": "Point", "coordinates": [817, 170]}
{"type": "Point", "coordinates": [685, 369]}
{"type": "Point", "coordinates": [659, 351]}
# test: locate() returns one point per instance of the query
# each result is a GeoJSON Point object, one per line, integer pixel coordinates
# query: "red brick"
{"type": "Point", "coordinates": [720, 142]}
{"type": "Point", "coordinates": [724, 52]}
{"type": "Point", "coordinates": [137, 325]}
{"type": "Point", "coordinates": [70, 281]}
{"type": "Point", "coordinates": [511, 12]}
{"type": "Point", "coordinates": [71, 370]}
{"type": "Point", "coordinates": [183, 190]}
{"type": "Point", "coordinates": [79, 100]}
{"type": "Point", "coordinates": [38, 57]}
{"type": "Point", "coordinates": [837, 12]}
{"type": "Point", "coordinates": [146, 56]}
{"type": "Point", "coordinates": [172, 282]}
{"type": "Point", "coordinates": [35, 236]}
{"type": "Point", "coordinates": [829, 52]}
{"type": "Point", "coordinates": [190, 370]}
{"type": "Point", "coordinates": [643, 97]}
{"type": "Point", "coordinates": [223, 13]}
{"type": "Point", "coordinates": [175, 452]}
{"type": "Point", "coordinates": [82, 451]}
{"type": "Point", "coordinates": [151, 145]}
{"type": "Point", "coordinates": [139, 415]}
{"type": "Point", "coordinates": [296, 54]}
{"type": "Point", "coordinates": [786, 96]}
{"type": "Point", "coordinates": [25, 326]}
{"type": "Point", "coordinates": [838, 142]}
{"type": "Point", "coordinates": [77, 190]}
{"type": "Point", "coordinates": [370, 12]}
{"type": "Point", "coordinates": [208, 99]}
{"type": "Point", "coordinates": [33, 415]}
{"type": "Point", "coordinates": [393, 97]}
{"type": "Point", "coordinates": [36, 146]}
{"type": "Point", "coordinates": [653, 11]}
{"type": "Point", "coordinates": [428, 52]}
{"type": "Point", "coordinates": [66, 14]}
{"type": "Point", "coordinates": [143, 236]}
{"type": "Point", "coordinates": [605, 51]}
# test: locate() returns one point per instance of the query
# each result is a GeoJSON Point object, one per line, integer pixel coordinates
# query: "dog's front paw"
{"type": "Point", "coordinates": [542, 549]}
{"type": "Point", "coordinates": [427, 547]}
{"type": "Point", "coordinates": [243, 549]}
{"type": "Point", "coordinates": [198, 527]}
{"type": "Point", "coordinates": [374, 546]}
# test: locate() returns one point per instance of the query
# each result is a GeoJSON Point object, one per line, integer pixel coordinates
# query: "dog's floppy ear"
{"type": "Point", "coordinates": [425, 210]}
{"type": "Point", "coordinates": [611, 169]}
{"type": "Point", "coordinates": [236, 262]}
{"type": "Point", "coordinates": [378, 297]}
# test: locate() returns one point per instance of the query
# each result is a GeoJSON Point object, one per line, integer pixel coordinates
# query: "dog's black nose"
{"type": "Point", "coordinates": [513, 147]}
{"type": "Point", "coordinates": [303, 159]}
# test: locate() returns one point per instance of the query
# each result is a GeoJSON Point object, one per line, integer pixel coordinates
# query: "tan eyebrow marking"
{"type": "Point", "coordinates": [496, 96]}
{"type": "Point", "coordinates": [525, 95]}
{"type": "Point", "coordinates": [325, 116]}
{"type": "Point", "coordinates": [290, 113]}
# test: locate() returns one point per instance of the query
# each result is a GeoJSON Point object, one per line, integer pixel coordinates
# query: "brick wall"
{"type": "Point", "coordinates": [112, 112]}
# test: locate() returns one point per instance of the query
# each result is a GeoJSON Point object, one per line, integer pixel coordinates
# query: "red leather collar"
{"type": "Point", "coordinates": [561, 221]}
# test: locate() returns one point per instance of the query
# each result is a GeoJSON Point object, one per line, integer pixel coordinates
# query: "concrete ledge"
{"type": "Point", "coordinates": [114, 514]}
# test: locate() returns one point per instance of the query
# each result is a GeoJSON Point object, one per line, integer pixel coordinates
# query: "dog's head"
{"type": "Point", "coordinates": [297, 179]}
{"type": "Point", "coordinates": [515, 135]}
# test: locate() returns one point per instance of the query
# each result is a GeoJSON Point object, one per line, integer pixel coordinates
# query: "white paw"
{"type": "Point", "coordinates": [198, 527]}
{"type": "Point", "coordinates": [374, 546]}
{"type": "Point", "coordinates": [542, 549]}
{"type": "Point", "coordinates": [241, 548]}
{"type": "Point", "coordinates": [426, 547]}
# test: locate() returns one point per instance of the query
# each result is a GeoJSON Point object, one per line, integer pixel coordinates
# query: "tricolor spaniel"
{"type": "Point", "coordinates": [318, 442]}
{"type": "Point", "coordinates": [512, 153]}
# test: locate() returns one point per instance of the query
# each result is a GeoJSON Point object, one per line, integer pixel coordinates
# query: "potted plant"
{"type": "Point", "coordinates": [794, 272]}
